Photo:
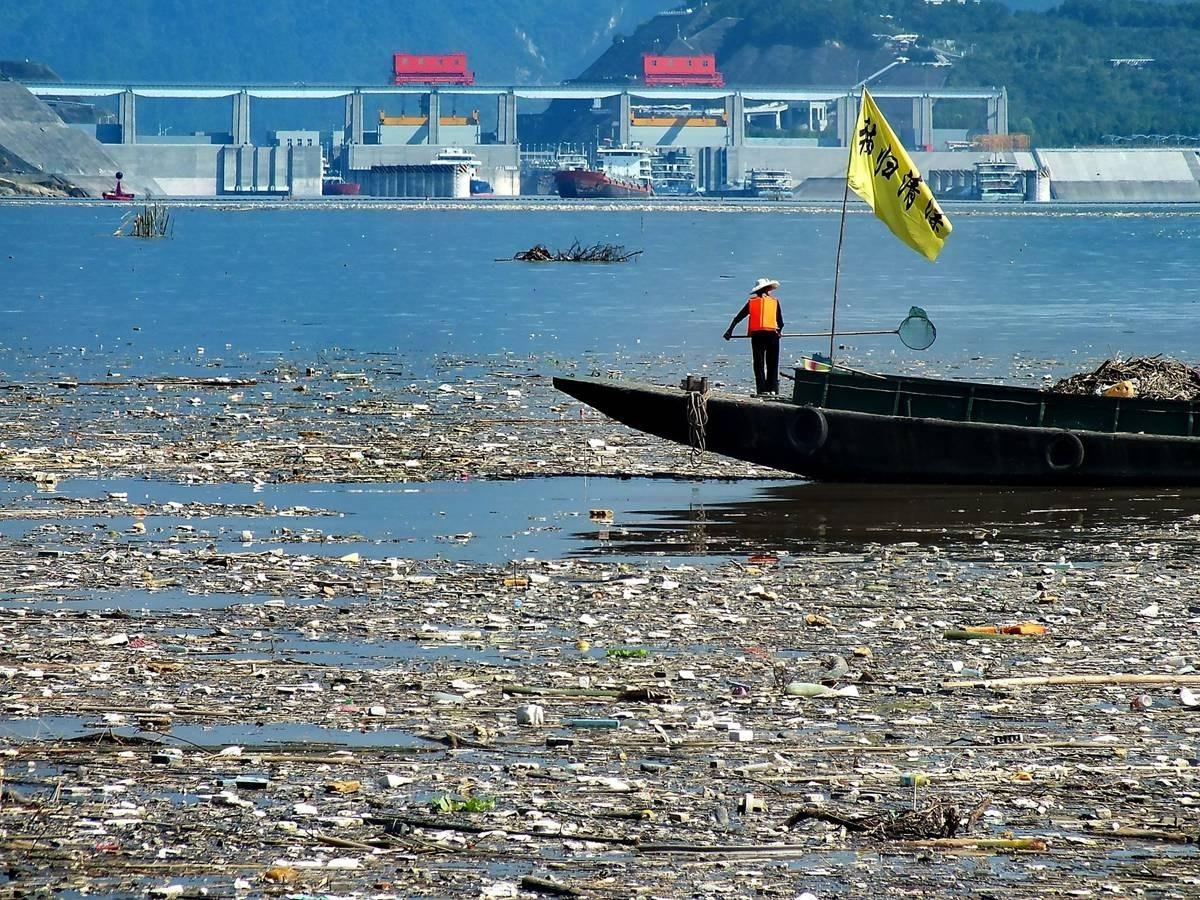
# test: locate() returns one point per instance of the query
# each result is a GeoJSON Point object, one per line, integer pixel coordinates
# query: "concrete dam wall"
{"type": "Point", "coordinates": [212, 170]}
{"type": "Point", "coordinates": [34, 141]}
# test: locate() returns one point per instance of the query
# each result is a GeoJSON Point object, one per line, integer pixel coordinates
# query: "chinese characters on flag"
{"type": "Point", "coordinates": [883, 175]}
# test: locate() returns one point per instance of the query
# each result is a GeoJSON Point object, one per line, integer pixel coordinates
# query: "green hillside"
{"type": "Point", "coordinates": [1057, 64]}
{"type": "Point", "coordinates": [1064, 87]}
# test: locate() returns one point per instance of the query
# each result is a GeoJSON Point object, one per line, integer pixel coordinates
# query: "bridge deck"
{"type": "Point", "coordinates": [526, 92]}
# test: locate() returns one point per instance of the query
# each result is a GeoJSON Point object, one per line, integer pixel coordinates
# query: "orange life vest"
{"type": "Point", "coordinates": [764, 313]}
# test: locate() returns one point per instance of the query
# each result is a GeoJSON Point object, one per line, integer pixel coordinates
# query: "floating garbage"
{"type": "Point", "coordinates": [187, 709]}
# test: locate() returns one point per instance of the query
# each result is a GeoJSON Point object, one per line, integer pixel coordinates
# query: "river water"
{"type": "Point", "coordinates": [1017, 294]}
{"type": "Point", "coordinates": [1053, 283]}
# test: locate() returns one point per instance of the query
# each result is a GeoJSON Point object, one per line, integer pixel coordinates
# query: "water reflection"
{"type": "Point", "coordinates": [810, 516]}
{"type": "Point", "coordinates": [273, 735]}
{"type": "Point", "coordinates": [548, 518]}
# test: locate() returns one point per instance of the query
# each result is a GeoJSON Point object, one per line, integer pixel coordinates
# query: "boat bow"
{"type": "Point", "coordinates": [775, 433]}
{"type": "Point", "coordinates": [854, 427]}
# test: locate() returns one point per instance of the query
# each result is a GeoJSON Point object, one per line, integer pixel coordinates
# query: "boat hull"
{"type": "Point", "coordinates": [585, 184]}
{"type": "Point", "coordinates": [828, 444]}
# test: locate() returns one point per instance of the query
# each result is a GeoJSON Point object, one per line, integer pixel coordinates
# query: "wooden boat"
{"type": "Point", "coordinates": [855, 427]}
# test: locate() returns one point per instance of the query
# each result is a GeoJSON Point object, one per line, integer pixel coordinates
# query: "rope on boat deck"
{"type": "Point", "coordinates": [697, 415]}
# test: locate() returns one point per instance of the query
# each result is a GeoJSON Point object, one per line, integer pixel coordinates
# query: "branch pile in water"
{"type": "Point", "coordinates": [577, 253]}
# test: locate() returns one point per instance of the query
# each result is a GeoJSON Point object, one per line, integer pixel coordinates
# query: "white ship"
{"type": "Point", "coordinates": [469, 163]}
{"type": "Point", "coordinates": [998, 181]}
{"type": "Point", "coordinates": [772, 184]}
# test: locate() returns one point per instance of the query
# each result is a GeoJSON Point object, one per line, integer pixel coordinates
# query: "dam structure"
{"type": "Point", "coordinates": [731, 132]}
{"type": "Point", "coordinates": [715, 124]}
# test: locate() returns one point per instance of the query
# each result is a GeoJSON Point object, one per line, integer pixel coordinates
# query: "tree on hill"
{"type": "Point", "coordinates": [1057, 63]}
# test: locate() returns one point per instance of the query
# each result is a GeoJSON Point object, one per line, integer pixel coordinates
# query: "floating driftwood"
{"type": "Point", "coordinates": [1153, 377]}
{"type": "Point", "coordinates": [1059, 680]}
{"type": "Point", "coordinates": [576, 253]}
{"type": "Point", "coordinates": [1037, 845]}
{"type": "Point", "coordinates": [163, 381]}
{"type": "Point", "coordinates": [938, 820]}
{"type": "Point", "coordinates": [152, 220]}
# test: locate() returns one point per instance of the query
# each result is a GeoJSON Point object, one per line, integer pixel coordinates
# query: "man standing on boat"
{"type": "Point", "coordinates": [766, 324]}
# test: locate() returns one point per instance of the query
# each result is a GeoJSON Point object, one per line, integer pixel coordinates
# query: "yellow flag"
{"type": "Point", "coordinates": [882, 173]}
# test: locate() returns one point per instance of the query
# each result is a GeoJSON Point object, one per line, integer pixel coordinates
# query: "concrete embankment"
{"type": "Point", "coordinates": [35, 141]}
{"type": "Point", "coordinates": [1072, 175]}
{"type": "Point", "coordinates": [1122, 176]}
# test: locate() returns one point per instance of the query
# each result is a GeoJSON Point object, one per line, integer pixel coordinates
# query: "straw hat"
{"type": "Point", "coordinates": [764, 284]}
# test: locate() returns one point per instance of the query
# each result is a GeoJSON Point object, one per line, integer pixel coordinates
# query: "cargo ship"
{"type": "Point", "coordinates": [621, 172]}
{"type": "Point", "coordinates": [673, 171]}
{"type": "Point", "coordinates": [334, 186]}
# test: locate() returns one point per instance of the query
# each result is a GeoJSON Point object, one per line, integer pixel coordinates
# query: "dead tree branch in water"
{"type": "Point", "coordinates": [604, 253]}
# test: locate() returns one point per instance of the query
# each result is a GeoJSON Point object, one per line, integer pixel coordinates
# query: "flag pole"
{"type": "Point", "coordinates": [837, 266]}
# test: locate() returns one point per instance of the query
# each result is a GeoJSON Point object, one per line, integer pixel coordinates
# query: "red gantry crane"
{"type": "Point", "coordinates": [665, 71]}
{"type": "Point", "coordinates": [426, 68]}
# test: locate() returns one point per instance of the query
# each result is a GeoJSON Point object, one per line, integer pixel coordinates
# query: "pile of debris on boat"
{"type": "Point", "coordinates": [1152, 377]}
